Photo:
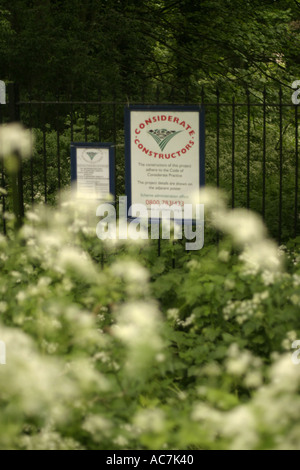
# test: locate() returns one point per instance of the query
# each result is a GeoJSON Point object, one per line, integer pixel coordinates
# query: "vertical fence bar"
{"type": "Point", "coordinates": [58, 147]}
{"type": "Point", "coordinates": [16, 178]}
{"type": "Point", "coordinates": [296, 172]}
{"type": "Point", "coordinates": [102, 258]}
{"type": "Point", "coordinates": [114, 119]}
{"type": "Point", "coordinates": [85, 122]}
{"type": "Point", "coordinates": [99, 118]}
{"type": "Point", "coordinates": [143, 93]}
{"type": "Point", "coordinates": [202, 96]}
{"type": "Point", "coordinates": [31, 160]}
{"type": "Point", "coordinates": [218, 137]}
{"type": "Point", "coordinates": [233, 154]}
{"type": "Point", "coordinates": [21, 194]}
{"type": "Point", "coordinates": [172, 99]}
{"type": "Point", "coordinates": [248, 148]}
{"type": "Point", "coordinates": [264, 155]}
{"type": "Point", "coordinates": [218, 148]}
{"type": "Point", "coordinates": [72, 120]}
{"type": "Point", "coordinates": [157, 94]}
{"type": "Point", "coordinates": [3, 198]}
{"type": "Point", "coordinates": [159, 223]}
{"type": "Point", "coordinates": [2, 184]}
{"type": "Point", "coordinates": [187, 94]}
{"type": "Point", "coordinates": [280, 166]}
{"type": "Point", "coordinates": [44, 153]}
{"type": "Point", "coordinates": [159, 240]}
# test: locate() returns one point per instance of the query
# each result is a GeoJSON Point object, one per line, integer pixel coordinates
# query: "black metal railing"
{"type": "Point", "coordinates": [252, 149]}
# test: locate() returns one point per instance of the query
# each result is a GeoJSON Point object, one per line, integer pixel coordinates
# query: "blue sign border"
{"type": "Point", "coordinates": [162, 108]}
{"type": "Point", "coordinates": [112, 161]}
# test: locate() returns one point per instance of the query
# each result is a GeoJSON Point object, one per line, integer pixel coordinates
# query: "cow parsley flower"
{"type": "Point", "coordinates": [15, 139]}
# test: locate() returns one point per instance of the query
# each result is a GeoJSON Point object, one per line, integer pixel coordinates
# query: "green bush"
{"type": "Point", "coordinates": [139, 356]}
{"type": "Point", "coordinates": [108, 346]}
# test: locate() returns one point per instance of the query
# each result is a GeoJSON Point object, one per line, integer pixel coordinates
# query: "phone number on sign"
{"type": "Point", "coordinates": [164, 203]}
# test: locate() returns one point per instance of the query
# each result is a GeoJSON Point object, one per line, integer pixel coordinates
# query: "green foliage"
{"type": "Point", "coordinates": [138, 355]}
{"type": "Point", "coordinates": [108, 346]}
{"type": "Point", "coordinates": [123, 48]}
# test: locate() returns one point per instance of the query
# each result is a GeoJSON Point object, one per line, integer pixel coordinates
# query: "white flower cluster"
{"type": "Point", "coordinates": [188, 322]}
{"type": "Point", "coordinates": [242, 310]}
{"type": "Point", "coordinates": [149, 420]}
{"type": "Point", "coordinates": [271, 415]}
{"type": "Point", "coordinates": [138, 325]}
{"type": "Point", "coordinates": [15, 139]}
{"type": "Point", "coordinates": [243, 364]}
{"type": "Point", "coordinates": [247, 231]}
{"type": "Point", "coordinates": [291, 336]}
{"type": "Point", "coordinates": [135, 276]}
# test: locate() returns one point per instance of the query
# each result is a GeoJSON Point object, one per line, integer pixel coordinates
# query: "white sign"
{"type": "Point", "coordinates": [92, 172]}
{"type": "Point", "coordinates": [2, 92]}
{"type": "Point", "coordinates": [164, 157]}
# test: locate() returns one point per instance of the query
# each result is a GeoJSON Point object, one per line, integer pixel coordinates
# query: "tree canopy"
{"type": "Point", "coordinates": [127, 47]}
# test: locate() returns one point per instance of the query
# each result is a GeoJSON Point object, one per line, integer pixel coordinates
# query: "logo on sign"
{"type": "Point", "coordinates": [92, 156]}
{"type": "Point", "coordinates": [175, 135]}
{"type": "Point", "coordinates": [163, 136]}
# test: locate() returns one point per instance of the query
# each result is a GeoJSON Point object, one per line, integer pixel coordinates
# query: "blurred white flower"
{"type": "Point", "coordinates": [253, 379]}
{"type": "Point", "coordinates": [33, 216]}
{"type": "Point", "coordinates": [240, 362]}
{"type": "Point", "coordinates": [224, 256]}
{"type": "Point", "coordinates": [240, 425]}
{"type": "Point", "coordinates": [136, 323]}
{"type": "Point", "coordinates": [150, 420]}
{"type": "Point", "coordinates": [193, 265]}
{"type": "Point", "coordinates": [263, 256]}
{"type": "Point", "coordinates": [15, 139]}
{"type": "Point", "coordinates": [189, 320]}
{"type": "Point", "coordinates": [138, 327]}
{"type": "Point", "coordinates": [160, 358]}
{"type": "Point", "coordinates": [3, 307]}
{"type": "Point", "coordinates": [214, 200]}
{"type": "Point", "coordinates": [28, 379]}
{"type": "Point", "coordinates": [284, 375]}
{"type": "Point", "coordinates": [130, 271]}
{"type": "Point", "coordinates": [71, 258]}
{"type": "Point", "coordinates": [296, 280]}
{"type": "Point", "coordinates": [135, 276]}
{"type": "Point", "coordinates": [173, 314]}
{"type": "Point", "coordinates": [244, 226]}
{"type": "Point", "coordinates": [49, 440]}
{"type": "Point", "coordinates": [238, 366]}
{"type": "Point", "coordinates": [203, 412]}
{"type": "Point", "coordinates": [229, 284]}
{"type": "Point", "coordinates": [21, 296]}
{"type": "Point", "coordinates": [98, 427]}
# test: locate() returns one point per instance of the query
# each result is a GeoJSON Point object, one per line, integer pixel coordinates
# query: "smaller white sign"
{"type": "Point", "coordinates": [92, 172]}
{"type": "Point", "coordinates": [2, 92]}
